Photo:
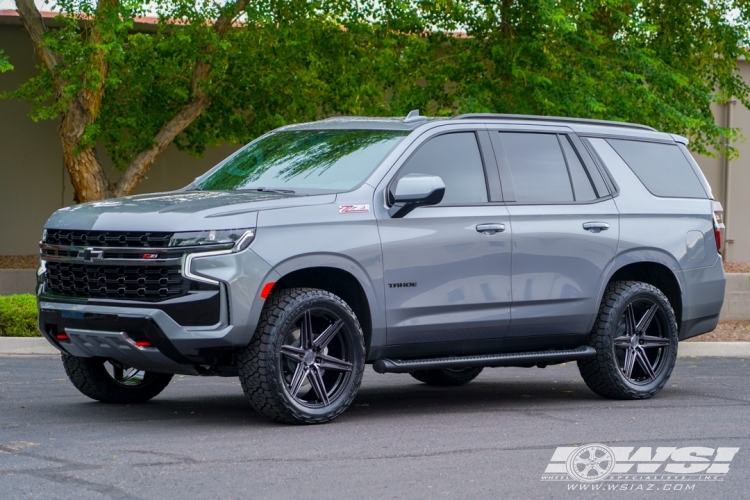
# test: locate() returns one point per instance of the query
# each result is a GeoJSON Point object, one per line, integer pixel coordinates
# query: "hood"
{"type": "Point", "coordinates": [178, 211]}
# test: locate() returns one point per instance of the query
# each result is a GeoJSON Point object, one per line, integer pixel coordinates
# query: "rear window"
{"type": "Point", "coordinates": [662, 168]}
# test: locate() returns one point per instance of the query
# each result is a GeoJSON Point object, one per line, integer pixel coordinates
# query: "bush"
{"type": "Point", "coordinates": [18, 316]}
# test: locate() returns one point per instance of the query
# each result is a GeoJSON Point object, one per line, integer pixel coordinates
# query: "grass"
{"type": "Point", "coordinates": [18, 316]}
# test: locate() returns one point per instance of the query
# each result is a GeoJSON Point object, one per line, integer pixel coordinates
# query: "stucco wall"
{"type": "Point", "coordinates": [738, 209]}
{"type": "Point", "coordinates": [34, 182]}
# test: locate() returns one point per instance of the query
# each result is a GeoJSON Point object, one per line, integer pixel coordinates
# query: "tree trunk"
{"type": "Point", "coordinates": [86, 173]}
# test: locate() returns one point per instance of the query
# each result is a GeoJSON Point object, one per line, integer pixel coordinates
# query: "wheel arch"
{"type": "Point", "coordinates": [342, 277]}
{"type": "Point", "coordinates": [655, 268]}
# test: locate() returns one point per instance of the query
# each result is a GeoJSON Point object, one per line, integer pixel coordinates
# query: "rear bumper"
{"type": "Point", "coordinates": [702, 299]}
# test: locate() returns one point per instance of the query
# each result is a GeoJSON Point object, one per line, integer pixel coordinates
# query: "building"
{"type": "Point", "coordinates": [34, 182]}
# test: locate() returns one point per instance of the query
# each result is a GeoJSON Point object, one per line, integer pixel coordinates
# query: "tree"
{"type": "Point", "coordinates": [208, 74]}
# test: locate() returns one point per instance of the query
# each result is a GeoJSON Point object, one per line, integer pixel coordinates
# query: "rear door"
{"type": "Point", "coordinates": [565, 234]}
{"type": "Point", "coordinates": [447, 267]}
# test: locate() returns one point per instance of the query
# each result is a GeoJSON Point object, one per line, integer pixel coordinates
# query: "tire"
{"type": "Point", "coordinates": [635, 329]}
{"type": "Point", "coordinates": [299, 375]}
{"type": "Point", "coordinates": [124, 385]}
{"type": "Point", "coordinates": [446, 377]}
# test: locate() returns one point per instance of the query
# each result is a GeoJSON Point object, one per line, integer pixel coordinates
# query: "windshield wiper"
{"type": "Point", "coordinates": [272, 190]}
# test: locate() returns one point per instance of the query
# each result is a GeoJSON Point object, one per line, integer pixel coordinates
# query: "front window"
{"type": "Point", "coordinates": [305, 161]}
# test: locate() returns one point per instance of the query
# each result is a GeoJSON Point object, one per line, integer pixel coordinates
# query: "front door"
{"type": "Point", "coordinates": [447, 267]}
{"type": "Point", "coordinates": [565, 236]}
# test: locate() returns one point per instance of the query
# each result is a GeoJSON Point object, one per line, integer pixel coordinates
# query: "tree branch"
{"type": "Point", "coordinates": [197, 104]}
{"type": "Point", "coordinates": [35, 27]}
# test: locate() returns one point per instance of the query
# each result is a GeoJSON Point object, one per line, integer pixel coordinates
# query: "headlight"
{"type": "Point", "coordinates": [241, 238]}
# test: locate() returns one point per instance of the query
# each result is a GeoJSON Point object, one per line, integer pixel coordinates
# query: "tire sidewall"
{"type": "Point", "coordinates": [328, 303]}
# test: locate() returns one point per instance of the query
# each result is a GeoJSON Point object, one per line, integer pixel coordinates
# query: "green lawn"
{"type": "Point", "coordinates": [18, 316]}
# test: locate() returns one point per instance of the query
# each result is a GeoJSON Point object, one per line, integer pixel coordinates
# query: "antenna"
{"type": "Point", "coordinates": [413, 116]}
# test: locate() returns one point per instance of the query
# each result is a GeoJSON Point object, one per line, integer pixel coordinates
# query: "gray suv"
{"type": "Point", "coordinates": [434, 247]}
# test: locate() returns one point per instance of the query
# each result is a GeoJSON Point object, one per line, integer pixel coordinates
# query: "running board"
{"type": "Point", "coordinates": [487, 360]}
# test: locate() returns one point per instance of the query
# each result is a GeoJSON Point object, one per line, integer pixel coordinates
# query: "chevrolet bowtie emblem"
{"type": "Point", "coordinates": [90, 254]}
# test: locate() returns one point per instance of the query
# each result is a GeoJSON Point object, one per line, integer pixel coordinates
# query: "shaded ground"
{"type": "Point", "coordinates": [401, 439]}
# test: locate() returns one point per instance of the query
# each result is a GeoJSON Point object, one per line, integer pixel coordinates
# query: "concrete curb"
{"type": "Point", "coordinates": [26, 345]}
{"type": "Point", "coordinates": [40, 346]}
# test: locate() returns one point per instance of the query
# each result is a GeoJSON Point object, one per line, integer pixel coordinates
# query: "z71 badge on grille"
{"type": "Point", "coordinates": [353, 209]}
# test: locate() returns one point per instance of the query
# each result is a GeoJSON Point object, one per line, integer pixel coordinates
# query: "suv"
{"type": "Point", "coordinates": [434, 247]}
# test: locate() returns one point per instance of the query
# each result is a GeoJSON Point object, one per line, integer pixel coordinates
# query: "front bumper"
{"type": "Point", "coordinates": [97, 330]}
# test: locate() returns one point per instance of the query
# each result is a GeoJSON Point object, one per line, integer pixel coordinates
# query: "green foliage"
{"type": "Point", "coordinates": [18, 316]}
{"type": "Point", "coordinates": [5, 65]}
{"type": "Point", "coordinates": [659, 63]}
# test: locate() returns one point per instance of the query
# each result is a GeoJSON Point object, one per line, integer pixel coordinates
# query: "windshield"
{"type": "Point", "coordinates": [304, 161]}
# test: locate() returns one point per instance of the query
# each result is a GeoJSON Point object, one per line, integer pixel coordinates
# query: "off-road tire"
{"type": "Point", "coordinates": [446, 377]}
{"type": "Point", "coordinates": [90, 377]}
{"type": "Point", "coordinates": [602, 373]}
{"type": "Point", "coordinates": [259, 362]}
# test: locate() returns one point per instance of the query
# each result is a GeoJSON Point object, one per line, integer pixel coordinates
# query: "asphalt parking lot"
{"type": "Point", "coordinates": [401, 439]}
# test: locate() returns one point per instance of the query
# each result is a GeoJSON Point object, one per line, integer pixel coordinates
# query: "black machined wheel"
{"type": "Point", "coordinates": [111, 382]}
{"type": "Point", "coordinates": [446, 377]}
{"type": "Point", "coordinates": [635, 337]}
{"type": "Point", "coordinates": [306, 360]}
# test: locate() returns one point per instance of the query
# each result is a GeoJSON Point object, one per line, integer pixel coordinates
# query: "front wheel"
{"type": "Point", "coordinates": [635, 338]}
{"type": "Point", "coordinates": [306, 360]}
{"type": "Point", "coordinates": [111, 382]}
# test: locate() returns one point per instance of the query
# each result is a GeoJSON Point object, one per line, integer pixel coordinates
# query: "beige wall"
{"type": "Point", "coordinates": [34, 182]}
{"type": "Point", "coordinates": [737, 211]}
{"type": "Point", "coordinates": [33, 179]}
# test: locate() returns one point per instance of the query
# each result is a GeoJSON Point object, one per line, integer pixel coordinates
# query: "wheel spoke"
{"type": "Point", "coordinates": [325, 338]}
{"type": "Point", "coordinates": [623, 341]}
{"type": "Point", "coordinates": [118, 371]}
{"type": "Point", "coordinates": [645, 321]}
{"type": "Point", "coordinates": [651, 341]}
{"type": "Point", "coordinates": [640, 355]}
{"type": "Point", "coordinates": [293, 352]}
{"type": "Point", "coordinates": [629, 362]}
{"type": "Point", "coordinates": [300, 374]}
{"type": "Point", "coordinates": [316, 379]}
{"type": "Point", "coordinates": [330, 363]}
{"type": "Point", "coordinates": [305, 331]}
{"type": "Point", "coordinates": [630, 320]}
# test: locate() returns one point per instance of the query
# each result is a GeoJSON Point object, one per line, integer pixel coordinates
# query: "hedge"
{"type": "Point", "coordinates": [18, 316]}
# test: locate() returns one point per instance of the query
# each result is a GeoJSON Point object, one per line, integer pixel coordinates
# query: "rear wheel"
{"type": "Point", "coordinates": [306, 360]}
{"type": "Point", "coordinates": [112, 382]}
{"type": "Point", "coordinates": [635, 338]}
{"type": "Point", "coordinates": [447, 376]}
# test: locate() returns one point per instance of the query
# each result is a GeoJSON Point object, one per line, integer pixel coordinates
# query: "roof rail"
{"type": "Point", "coordinates": [583, 121]}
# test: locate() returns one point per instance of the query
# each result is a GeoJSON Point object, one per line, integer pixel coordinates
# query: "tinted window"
{"type": "Point", "coordinates": [584, 191]}
{"type": "Point", "coordinates": [455, 158]}
{"type": "Point", "coordinates": [662, 168]}
{"type": "Point", "coordinates": [538, 168]}
{"type": "Point", "coordinates": [305, 160]}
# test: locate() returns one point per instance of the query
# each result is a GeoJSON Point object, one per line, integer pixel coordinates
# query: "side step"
{"type": "Point", "coordinates": [488, 360]}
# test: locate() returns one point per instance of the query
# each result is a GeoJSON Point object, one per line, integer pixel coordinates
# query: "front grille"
{"type": "Point", "coordinates": [115, 282]}
{"type": "Point", "coordinates": [67, 237]}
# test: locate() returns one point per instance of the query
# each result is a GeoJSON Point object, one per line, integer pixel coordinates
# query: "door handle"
{"type": "Point", "coordinates": [490, 229]}
{"type": "Point", "coordinates": [595, 227]}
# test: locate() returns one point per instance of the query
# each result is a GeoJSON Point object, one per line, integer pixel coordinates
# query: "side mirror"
{"type": "Point", "coordinates": [414, 190]}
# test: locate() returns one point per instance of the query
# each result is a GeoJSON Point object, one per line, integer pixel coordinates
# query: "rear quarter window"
{"type": "Point", "coordinates": [662, 168]}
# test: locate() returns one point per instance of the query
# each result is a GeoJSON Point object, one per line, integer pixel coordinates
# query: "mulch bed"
{"type": "Point", "coordinates": [19, 261]}
{"type": "Point", "coordinates": [737, 267]}
{"type": "Point", "coordinates": [729, 331]}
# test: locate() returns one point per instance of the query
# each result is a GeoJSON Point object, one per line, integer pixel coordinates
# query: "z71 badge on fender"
{"type": "Point", "coordinates": [353, 209]}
